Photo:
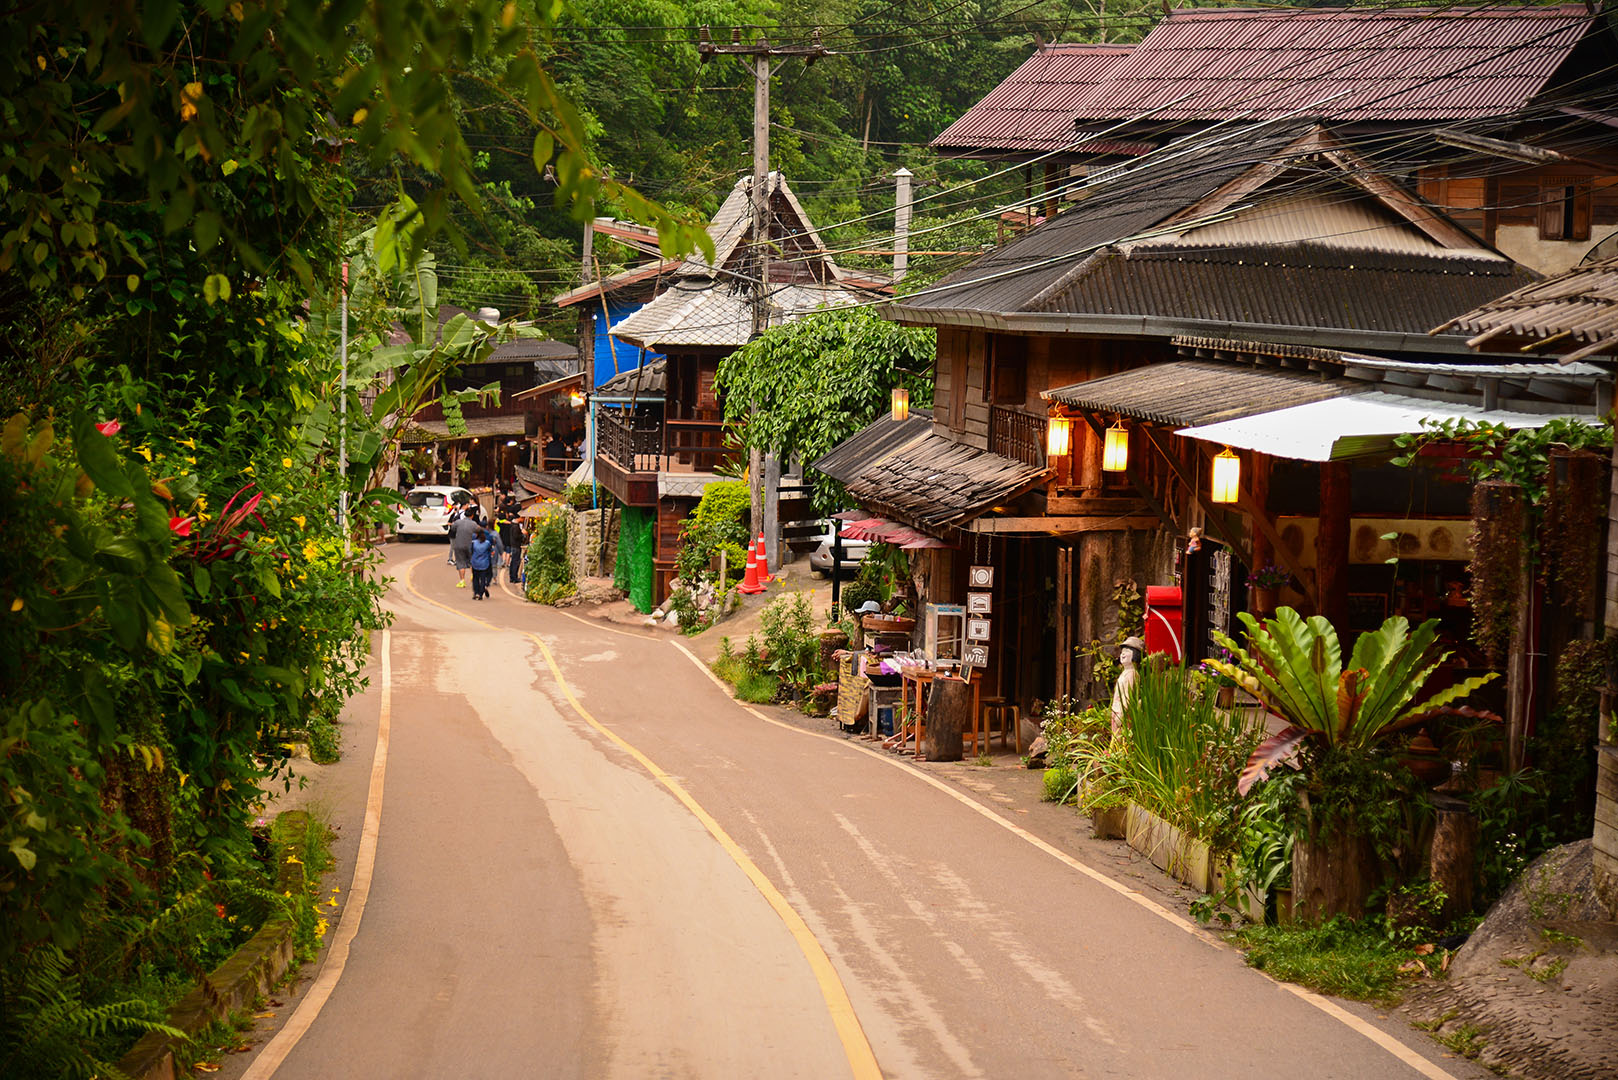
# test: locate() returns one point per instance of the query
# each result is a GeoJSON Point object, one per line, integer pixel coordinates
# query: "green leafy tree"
{"type": "Point", "coordinates": [804, 387]}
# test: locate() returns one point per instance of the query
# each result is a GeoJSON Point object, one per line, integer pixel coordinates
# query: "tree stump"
{"type": "Point", "coordinates": [1454, 855]}
{"type": "Point", "coordinates": [1331, 877]}
{"type": "Point", "coordinates": [949, 712]}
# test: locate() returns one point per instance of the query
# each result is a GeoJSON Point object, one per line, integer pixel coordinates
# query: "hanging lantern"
{"type": "Point", "coordinates": [1115, 450]}
{"type": "Point", "coordinates": [1227, 476]}
{"type": "Point", "coordinates": [1058, 437]}
{"type": "Point", "coordinates": [901, 404]}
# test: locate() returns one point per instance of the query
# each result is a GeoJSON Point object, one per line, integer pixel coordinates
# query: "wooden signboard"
{"type": "Point", "coordinates": [980, 577]}
{"type": "Point", "coordinates": [979, 603]}
{"type": "Point", "coordinates": [977, 629]}
{"type": "Point", "coordinates": [976, 656]}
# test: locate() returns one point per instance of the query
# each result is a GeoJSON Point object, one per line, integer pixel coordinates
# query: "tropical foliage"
{"type": "Point", "coordinates": [1294, 667]}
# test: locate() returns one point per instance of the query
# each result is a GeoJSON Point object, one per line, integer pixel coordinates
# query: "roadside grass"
{"type": "Point", "coordinates": [757, 689]}
{"type": "Point", "coordinates": [1340, 957]}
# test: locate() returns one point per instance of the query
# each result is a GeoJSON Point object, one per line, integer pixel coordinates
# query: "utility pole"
{"type": "Point", "coordinates": [764, 510]}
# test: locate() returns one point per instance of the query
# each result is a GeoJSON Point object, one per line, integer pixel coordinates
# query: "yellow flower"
{"type": "Point", "coordinates": [189, 444]}
{"type": "Point", "coordinates": [248, 469]}
{"type": "Point", "coordinates": [190, 460]}
{"type": "Point", "coordinates": [286, 463]}
{"type": "Point", "coordinates": [299, 520]}
{"type": "Point", "coordinates": [144, 451]}
{"type": "Point", "coordinates": [16, 605]}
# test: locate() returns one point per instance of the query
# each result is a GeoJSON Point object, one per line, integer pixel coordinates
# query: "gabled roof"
{"type": "Point", "coordinates": [1371, 65]}
{"type": "Point", "coordinates": [646, 383]}
{"type": "Point", "coordinates": [1362, 64]}
{"type": "Point", "coordinates": [1574, 314]}
{"type": "Point", "coordinates": [718, 312]}
{"type": "Point", "coordinates": [1270, 227]}
{"type": "Point", "coordinates": [1032, 110]}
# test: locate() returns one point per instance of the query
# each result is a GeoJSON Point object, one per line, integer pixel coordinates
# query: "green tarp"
{"type": "Point", "coordinates": [632, 572]}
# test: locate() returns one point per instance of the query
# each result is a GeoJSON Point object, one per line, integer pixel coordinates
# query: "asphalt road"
{"type": "Point", "coordinates": [622, 872]}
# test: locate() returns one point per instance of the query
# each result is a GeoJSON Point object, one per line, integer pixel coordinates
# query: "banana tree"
{"type": "Point", "coordinates": [1294, 667]}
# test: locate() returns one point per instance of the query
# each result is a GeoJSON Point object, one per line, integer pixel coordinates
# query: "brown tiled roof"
{"type": "Point", "coordinates": [1574, 314]}
{"type": "Point", "coordinates": [878, 439]}
{"type": "Point", "coordinates": [1032, 109]}
{"type": "Point", "coordinates": [1370, 64]}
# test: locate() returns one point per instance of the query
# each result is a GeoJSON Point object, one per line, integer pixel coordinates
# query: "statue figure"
{"type": "Point", "coordinates": [1129, 655]}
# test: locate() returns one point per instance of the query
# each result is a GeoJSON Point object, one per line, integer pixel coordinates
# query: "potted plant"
{"type": "Point", "coordinates": [1266, 582]}
{"type": "Point", "coordinates": [1342, 721]}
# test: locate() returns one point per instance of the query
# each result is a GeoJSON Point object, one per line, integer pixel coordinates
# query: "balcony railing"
{"type": "Point", "coordinates": [672, 446]}
{"type": "Point", "coordinates": [635, 447]}
{"type": "Point", "coordinates": [1017, 435]}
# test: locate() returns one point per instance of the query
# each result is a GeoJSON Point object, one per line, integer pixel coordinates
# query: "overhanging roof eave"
{"type": "Point", "coordinates": [1151, 326]}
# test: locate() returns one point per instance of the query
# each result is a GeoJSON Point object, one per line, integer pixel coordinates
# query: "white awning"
{"type": "Point", "coordinates": [1353, 426]}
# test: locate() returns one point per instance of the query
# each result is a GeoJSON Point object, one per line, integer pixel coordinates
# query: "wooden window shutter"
{"type": "Point", "coordinates": [1552, 198]}
{"type": "Point", "coordinates": [1580, 217]}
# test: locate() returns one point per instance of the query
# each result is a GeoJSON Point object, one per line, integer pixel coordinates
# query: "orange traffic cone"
{"type": "Point", "coordinates": [750, 583]}
{"type": "Point", "coordinates": [763, 559]}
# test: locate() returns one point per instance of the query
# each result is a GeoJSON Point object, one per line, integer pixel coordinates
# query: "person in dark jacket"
{"type": "Point", "coordinates": [461, 535]}
{"type": "Point", "coordinates": [484, 557]}
{"type": "Point", "coordinates": [511, 536]}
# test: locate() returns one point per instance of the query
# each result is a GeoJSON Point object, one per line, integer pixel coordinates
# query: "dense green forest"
{"type": "Point", "coordinates": [680, 130]}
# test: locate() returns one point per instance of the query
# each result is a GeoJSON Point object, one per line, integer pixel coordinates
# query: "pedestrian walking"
{"type": "Point", "coordinates": [484, 557]}
{"type": "Point", "coordinates": [461, 535]}
{"type": "Point", "coordinates": [511, 536]}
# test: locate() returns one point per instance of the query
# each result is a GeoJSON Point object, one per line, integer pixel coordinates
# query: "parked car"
{"type": "Point", "coordinates": [821, 557]}
{"type": "Point", "coordinates": [428, 508]}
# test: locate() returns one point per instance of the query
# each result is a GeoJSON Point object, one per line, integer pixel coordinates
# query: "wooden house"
{"type": "Point", "coordinates": [498, 436]}
{"type": "Point", "coordinates": [661, 463]}
{"type": "Point", "coordinates": [1269, 274]}
{"type": "Point", "coordinates": [1502, 115]}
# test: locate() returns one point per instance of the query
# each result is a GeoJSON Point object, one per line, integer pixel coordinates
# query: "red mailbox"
{"type": "Point", "coordinates": [1163, 621]}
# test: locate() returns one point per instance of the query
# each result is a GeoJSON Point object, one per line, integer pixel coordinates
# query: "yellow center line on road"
{"type": "Point", "coordinates": [1368, 1030]}
{"type": "Point", "coordinates": [856, 1047]}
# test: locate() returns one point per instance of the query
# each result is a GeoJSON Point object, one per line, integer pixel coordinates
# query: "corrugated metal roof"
{"type": "Point", "coordinates": [879, 439]}
{"type": "Point", "coordinates": [1289, 285]}
{"type": "Point", "coordinates": [1578, 309]}
{"type": "Point", "coordinates": [1351, 426]}
{"type": "Point", "coordinates": [1032, 109]}
{"type": "Point", "coordinates": [1189, 392]}
{"type": "Point", "coordinates": [1377, 64]}
{"type": "Point", "coordinates": [1330, 219]}
{"type": "Point", "coordinates": [699, 311]}
{"type": "Point", "coordinates": [1126, 204]}
{"type": "Point", "coordinates": [934, 483]}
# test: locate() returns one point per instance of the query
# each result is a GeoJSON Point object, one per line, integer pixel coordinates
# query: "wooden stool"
{"type": "Point", "coordinates": [998, 710]}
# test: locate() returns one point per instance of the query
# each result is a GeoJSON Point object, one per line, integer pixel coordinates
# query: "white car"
{"type": "Point", "coordinates": [820, 558]}
{"type": "Point", "coordinates": [428, 508]}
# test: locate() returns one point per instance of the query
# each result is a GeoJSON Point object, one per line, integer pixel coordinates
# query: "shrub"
{"type": "Point", "coordinates": [791, 651]}
{"type": "Point", "coordinates": [550, 572]}
{"type": "Point", "coordinates": [719, 523]}
{"type": "Point", "coordinates": [1061, 783]}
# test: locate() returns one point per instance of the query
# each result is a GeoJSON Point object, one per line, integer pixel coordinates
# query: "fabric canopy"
{"type": "Point", "coordinates": [1359, 425]}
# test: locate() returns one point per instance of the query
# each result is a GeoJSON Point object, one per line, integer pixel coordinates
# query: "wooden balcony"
{"type": "Point", "coordinates": [630, 456]}
{"type": "Point", "coordinates": [1017, 435]}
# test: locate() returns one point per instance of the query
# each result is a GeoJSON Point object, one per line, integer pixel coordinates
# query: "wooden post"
{"type": "Point", "coordinates": [1517, 672]}
{"type": "Point", "coordinates": [1331, 544]}
{"type": "Point", "coordinates": [1263, 550]}
{"type": "Point", "coordinates": [949, 713]}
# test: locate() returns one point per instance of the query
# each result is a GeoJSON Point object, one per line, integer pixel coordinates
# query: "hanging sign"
{"type": "Point", "coordinates": [975, 656]}
{"type": "Point", "coordinates": [979, 603]}
{"type": "Point", "coordinates": [980, 577]}
{"type": "Point", "coordinates": [977, 629]}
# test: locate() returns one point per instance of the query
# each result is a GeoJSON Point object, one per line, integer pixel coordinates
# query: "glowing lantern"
{"type": "Point", "coordinates": [901, 404]}
{"type": "Point", "coordinates": [1115, 450]}
{"type": "Point", "coordinates": [1058, 437]}
{"type": "Point", "coordinates": [1227, 476]}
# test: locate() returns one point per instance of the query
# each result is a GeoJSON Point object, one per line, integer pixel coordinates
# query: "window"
{"type": "Point", "coordinates": [1564, 208]}
{"type": "Point", "coordinates": [1007, 383]}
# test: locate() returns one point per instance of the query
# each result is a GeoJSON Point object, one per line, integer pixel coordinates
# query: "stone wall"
{"type": "Point", "coordinates": [584, 550]}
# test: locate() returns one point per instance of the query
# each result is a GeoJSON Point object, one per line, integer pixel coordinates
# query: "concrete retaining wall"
{"type": "Point", "coordinates": [253, 969]}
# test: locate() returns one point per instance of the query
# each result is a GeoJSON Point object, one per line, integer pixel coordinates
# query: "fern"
{"type": "Point", "coordinates": [48, 1031]}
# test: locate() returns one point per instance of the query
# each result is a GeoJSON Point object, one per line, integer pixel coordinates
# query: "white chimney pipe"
{"type": "Point", "coordinates": [901, 223]}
